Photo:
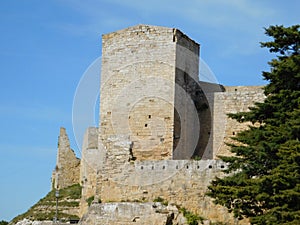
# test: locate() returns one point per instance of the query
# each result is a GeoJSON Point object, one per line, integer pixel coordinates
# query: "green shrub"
{"type": "Point", "coordinates": [90, 200]}
{"type": "Point", "coordinates": [192, 219]}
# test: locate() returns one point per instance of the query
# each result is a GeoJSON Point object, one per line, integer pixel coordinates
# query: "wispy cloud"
{"type": "Point", "coordinates": [236, 21]}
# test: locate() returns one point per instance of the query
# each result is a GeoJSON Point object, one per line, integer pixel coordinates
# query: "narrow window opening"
{"type": "Point", "coordinates": [164, 167]}
{"type": "Point", "coordinates": [149, 116]}
{"type": "Point", "coordinates": [142, 167]}
{"type": "Point", "coordinates": [146, 125]}
{"type": "Point", "coordinates": [233, 133]}
{"type": "Point", "coordinates": [210, 166]}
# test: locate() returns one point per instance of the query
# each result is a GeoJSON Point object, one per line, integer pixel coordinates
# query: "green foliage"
{"type": "Point", "coordinates": [90, 200]}
{"type": "Point", "coordinates": [161, 200]}
{"type": "Point", "coordinates": [2, 222]}
{"type": "Point", "coordinates": [44, 209]}
{"type": "Point", "coordinates": [197, 158]}
{"type": "Point", "coordinates": [192, 219]}
{"type": "Point", "coordinates": [263, 176]}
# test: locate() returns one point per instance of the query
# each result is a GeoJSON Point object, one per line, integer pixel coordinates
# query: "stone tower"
{"type": "Point", "coordinates": [150, 98]}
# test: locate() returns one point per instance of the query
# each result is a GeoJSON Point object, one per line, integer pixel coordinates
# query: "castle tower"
{"type": "Point", "coordinates": [149, 93]}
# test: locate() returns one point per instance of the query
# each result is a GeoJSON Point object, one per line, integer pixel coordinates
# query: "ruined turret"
{"type": "Point", "coordinates": [67, 169]}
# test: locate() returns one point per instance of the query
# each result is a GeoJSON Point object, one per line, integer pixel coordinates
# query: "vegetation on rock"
{"type": "Point", "coordinates": [263, 176]}
{"type": "Point", "coordinates": [45, 208]}
{"type": "Point", "coordinates": [191, 218]}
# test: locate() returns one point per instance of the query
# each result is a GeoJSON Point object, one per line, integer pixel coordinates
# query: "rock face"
{"type": "Point", "coordinates": [67, 168]}
{"type": "Point", "coordinates": [127, 213]}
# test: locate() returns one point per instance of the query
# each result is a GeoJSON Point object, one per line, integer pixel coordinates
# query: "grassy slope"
{"type": "Point", "coordinates": [45, 208]}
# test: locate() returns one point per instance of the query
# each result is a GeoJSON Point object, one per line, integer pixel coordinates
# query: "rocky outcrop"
{"type": "Point", "coordinates": [127, 213]}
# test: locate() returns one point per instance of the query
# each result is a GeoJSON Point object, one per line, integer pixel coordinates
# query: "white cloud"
{"type": "Point", "coordinates": [239, 20]}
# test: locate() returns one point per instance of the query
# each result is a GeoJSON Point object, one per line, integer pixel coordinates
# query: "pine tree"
{"type": "Point", "coordinates": [263, 176]}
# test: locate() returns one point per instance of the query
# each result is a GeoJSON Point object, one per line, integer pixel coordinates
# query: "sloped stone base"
{"type": "Point", "coordinates": [127, 213]}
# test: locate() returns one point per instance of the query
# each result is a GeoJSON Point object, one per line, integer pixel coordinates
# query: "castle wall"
{"type": "Point", "coordinates": [234, 99]}
{"type": "Point", "coordinates": [180, 182]}
{"type": "Point", "coordinates": [129, 213]}
{"type": "Point", "coordinates": [67, 168]}
{"type": "Point", "coordinates": [222, 101]}
{"type": "Point", "coordinates": [89, 166]}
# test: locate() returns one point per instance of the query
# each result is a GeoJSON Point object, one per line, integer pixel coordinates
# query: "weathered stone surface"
{"type": "Point", "coordinates": [126, 213]}
{"type": "Point", "coordinates": [139, 66]}
{"type": "Point", "coordinates": [67, 168]}
{"type": "Point", "coordinates": [89, 166]}
{"type": "Point", "coordinates": [154, 110]}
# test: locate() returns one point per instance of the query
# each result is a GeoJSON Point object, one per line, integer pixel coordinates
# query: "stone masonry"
{"type": "Point", "coordinates": [67, 168]}
{"type": "Point", "coordinates": [161, 130]}
{"type": "Point", "coordinates": [89, 166]}
{"type": "Point", "coordinates": [155, 116]}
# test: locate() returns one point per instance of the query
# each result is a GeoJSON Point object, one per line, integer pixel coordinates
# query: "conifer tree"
{"type": "Point", "coordinates": [263, 176]}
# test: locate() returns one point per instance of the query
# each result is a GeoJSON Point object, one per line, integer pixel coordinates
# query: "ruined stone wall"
{"type": "Point", "coordinates": [67, 168]}
{"type": "Point", "coordinates": [89, 166]}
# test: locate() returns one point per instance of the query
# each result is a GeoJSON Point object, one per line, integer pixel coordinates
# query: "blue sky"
{"type": "Point", "coordinates": [46, 47]}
